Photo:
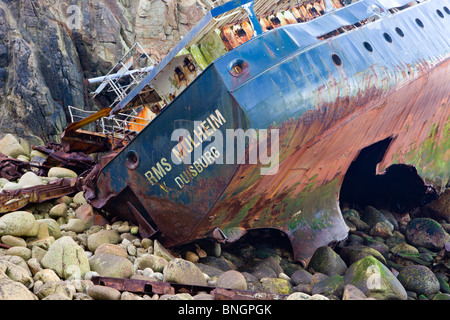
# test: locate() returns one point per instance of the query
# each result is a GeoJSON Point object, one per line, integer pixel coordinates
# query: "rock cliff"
{"type": "Point", "coordinates": [49, 47]}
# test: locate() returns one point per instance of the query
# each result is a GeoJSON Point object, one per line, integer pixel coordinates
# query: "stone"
{"type": "Point", "coordinates": [19, 223]}
{"type": "Point", "coordinates": [326, 261]}
{"type": "Point", "coordinates": [76, 225]}
{"type": "Point", "coordinates": [381, 229]}
{"type": "Point", "coordinates": [404, 248]}
{"type": "Point", "coordinates": [113, 249]}
{"type": "Point", "coordinates": [333, 285]}
{"type": "Point", "coordinates": [276, 285]}
{"type": "Point", "coordinates": [30, 179]}
{"type": "Point", "coordinates": [58, 211]}
{"type": "Point", "coordinates": [10, 147]}
{"type": "Point", "coordinates": [54, 288]}
{"type": "Point", "coordinates": [156, 263]}
{"type": "Point", "coordinates": [108, 265]}
{"type": "Point", "coordinates": [44, 243]}
{"type": "Point", "coordinates": [441, 296]}
{"type": "Point", "coordinates": [375, 280]}
{"type": "Point", "coordinates": [13, 241]}
{"type": "Point", "coordinates": [301, 276]}
{"type": "Point", "coordinates": [159, 250]}
{"type": "Point", "coordinates": [372, 216]}
{"type": "Point", "coordinates": [52, 227]}
{"type": "Point", "coordinates": [22, 252]}
{"type": "Point", "coordinates": [11, 186]}
{"type": "Point", "coordinates": [440, 208]}
{"type": "Point", "coordinates": [101, 237]}
{"type": "Point", "coordinates": [426, 232]}
{"type": "Point", "coordinates": [79, 199]}
{"type": "Point", "coordinates": [356, 252]}
{"type": "Point", "coordinates": [299, 296]}
{"type": "Point", "coordinates": [86, 213]}
{"type": "Point", "coordinates": [232, 280]}
{"type": "Point", "coordinates": [12, 290]}
{"type": "Point", "coordinates": [185, 272]}
{"type": "Point", "coordinates": [419, 279]}
{"type": "Point", "coordinates": [61, 173]}
{"type": "Point", "coordinates": [192, 257]}
{"type": "Point", "coordinates": [358, 223]}
{"type": "Point", "coordinates": [67, 259]}
{"type": "Point", "coordinates": [103, 293]}
{"type": "Point", "coordinates": [46, 275]}
{"type": "Point", "coordinates": [353, 293]}
{"type": "Point", "coordinates": [19, 273]}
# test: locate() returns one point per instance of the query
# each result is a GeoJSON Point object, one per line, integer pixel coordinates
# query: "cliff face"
{"type": "Point", "coordinates": [48, 48]}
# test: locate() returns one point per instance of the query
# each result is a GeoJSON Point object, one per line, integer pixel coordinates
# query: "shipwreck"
{"type": "Point", "coordinates": [351, 96]}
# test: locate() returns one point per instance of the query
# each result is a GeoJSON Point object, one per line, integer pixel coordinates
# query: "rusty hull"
{"type": "Point", "coordinates": [327, 110]}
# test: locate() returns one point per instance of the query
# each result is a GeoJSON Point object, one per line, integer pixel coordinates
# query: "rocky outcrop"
{"type": "Point", "coordinates": [48, 48]}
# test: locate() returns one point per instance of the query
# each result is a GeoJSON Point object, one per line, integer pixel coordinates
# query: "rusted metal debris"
{"type": "Point", "coordinates": [12, 169]}
{"type": "Point", "coordinates": [14, 200]}
{"type": "Point", "coordinates": [162, 288]}
{"type": "Point", "coordinates": [79, 162]}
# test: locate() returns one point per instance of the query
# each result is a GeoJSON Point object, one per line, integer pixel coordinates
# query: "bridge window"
{"type": "Point", "coordinates": [439, 13]}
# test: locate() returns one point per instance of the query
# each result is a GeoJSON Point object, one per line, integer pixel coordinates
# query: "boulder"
{"type": "Point", "coordinates": [67, 259]}
{"type": "Point", "coordinates": [58, 211]}
{"type": "Point", "coordinates": [232, 280]}
{"type": "Point", "coordinates": [60, 173]}
{"type": "Point", "coordinates": [333, 285]}
{"type": "Point", "coordinates": [10, 147]}
{"type": "Point", "coordinates": [30, 179]}
{"type": "Point", "coordinates": [103, 293]}
{"type": "Point", "coordinates": [101, 237]}
{"type": "Point", "coordinates": [108, 265]}
{"type": "Point", "coordinates": [419, 279]}
{"type": "Point", "coordinates": [326, 261]}
{"type": "Point", "coordinates": [154, 262]}
{"type": "Point", "coordinates": [185, 272]}
{"type": "Point", "coordinates": [12, 290]}
{"type": "Point", "coordinates": [375, 280]}
{"type": "Point", "coordinates": [276, 285]}
{"type": "Point", "coordinates": [19, 223]}
{"type": "Point", "coordinates": [426, 232]}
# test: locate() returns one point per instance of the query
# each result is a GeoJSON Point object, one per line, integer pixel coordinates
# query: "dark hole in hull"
{"type": "Point", "coordinates": [399, 189]}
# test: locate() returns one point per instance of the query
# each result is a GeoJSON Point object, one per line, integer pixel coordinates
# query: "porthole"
{"type": "Point", "coordinates": [439, 13]}
{"type": "Point", "coordinates": [447, 11]}
{"type": "Point", "coordinates": [337, 61]}
{"type": "Point", "coordinates": [368, 46]}
{"type": "Point", "coordinates": [419, 22]}
{"type": "Point", "coordinates": [132, 160]}
{"type": "Point", "coordinates": [399, 32]}
{"type": "Point", "coordinates": [387, 37]}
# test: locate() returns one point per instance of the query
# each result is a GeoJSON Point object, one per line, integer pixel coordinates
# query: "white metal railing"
{"type": "Point", "coordinates": [120, 124]}
{"type": "Point", "coordinates": [126, 74]}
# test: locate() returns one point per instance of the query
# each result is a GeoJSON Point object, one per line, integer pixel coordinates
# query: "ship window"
{"type": "Point", "coordinates": [337, 61]}
{"type": "Point", "coordinates": [387, 37]}
{"type": "Point", "coordinates": [399, 32]}
{"type": "Point", "coordinates": [368, 46]}
{"type": "Point", "coordinates": [447, 11]}
{"type": "Point", "coordinates": [439, 13]}
{"type": "Point", "coordinates": [419, 23]}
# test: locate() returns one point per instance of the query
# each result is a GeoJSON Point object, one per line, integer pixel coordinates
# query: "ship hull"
{"type": "Point", "coordinates": [325, 110]}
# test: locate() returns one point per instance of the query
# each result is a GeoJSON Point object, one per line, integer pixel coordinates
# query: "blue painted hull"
{"type": "Point", "coordinates": [324, 97]}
